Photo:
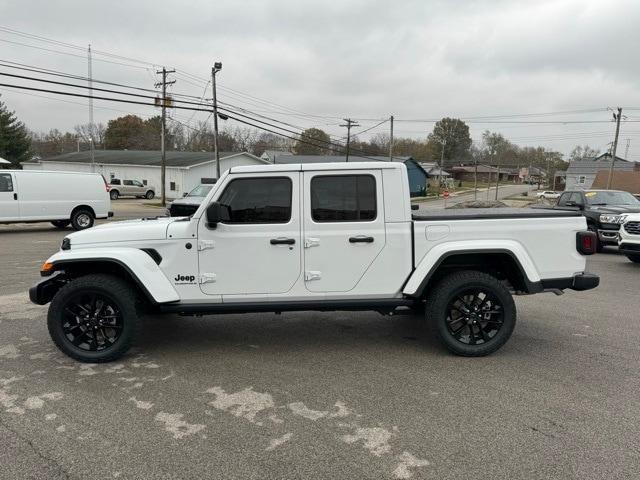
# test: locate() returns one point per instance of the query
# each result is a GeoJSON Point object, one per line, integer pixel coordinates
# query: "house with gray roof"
{"type": "Point", "coordinates": [184, 170]}
{"type": "Point", "coordinates": [582, 173]}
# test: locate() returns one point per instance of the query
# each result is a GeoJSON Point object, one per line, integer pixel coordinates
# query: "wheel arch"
{"type": "Point", "coordinates": [137, 266]}
{"type": "Point", "coordinates": [83, 207]}
{"type": "Point", "coordinates": [503, 263]}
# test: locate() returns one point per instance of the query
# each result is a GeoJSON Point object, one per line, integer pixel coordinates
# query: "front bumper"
{"type": "Point", "coordinates": [579, 282]}
{"type": "Point", "coordinates": [609, 237]}
{"type": "Point", "coordinates": [43, 291]}
{"type": "Point", "coordinates": [629, 248]}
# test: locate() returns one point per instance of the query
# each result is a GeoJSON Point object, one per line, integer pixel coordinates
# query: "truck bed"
{"type": "Point", "coordinates": [490, 213]}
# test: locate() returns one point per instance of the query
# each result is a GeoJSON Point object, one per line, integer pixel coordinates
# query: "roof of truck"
{"type": "Point", "coordinates": [296, 167]}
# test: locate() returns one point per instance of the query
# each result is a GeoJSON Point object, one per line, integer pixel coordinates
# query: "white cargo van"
{"type": "Point", "coordinates": [61, 198]}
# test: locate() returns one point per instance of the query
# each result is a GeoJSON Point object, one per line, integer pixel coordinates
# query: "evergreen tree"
{"type": "Point", "coordinates": [14, 137]}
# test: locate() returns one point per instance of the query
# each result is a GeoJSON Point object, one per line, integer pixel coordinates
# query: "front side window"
{"type": "Point", "coordinates": [6, 184]}
{"type": "Point", "coordinates": [137, 183]}
{"type": "Point", "coordinates": [257, 200]}
{"type": "Point", "coordinates": [343, 198]}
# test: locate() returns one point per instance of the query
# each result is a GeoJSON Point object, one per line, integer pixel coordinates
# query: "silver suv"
{"type": "Point", "coordinates": [130, 188]}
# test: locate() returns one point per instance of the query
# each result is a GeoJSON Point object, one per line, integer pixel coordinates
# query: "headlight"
{"type": "Point", "coordinates": [609, 218]}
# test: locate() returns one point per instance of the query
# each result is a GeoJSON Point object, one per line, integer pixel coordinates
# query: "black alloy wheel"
{"type": "Point", "coordinates": [92, 321]}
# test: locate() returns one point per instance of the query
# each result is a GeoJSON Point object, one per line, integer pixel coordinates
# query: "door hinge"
{"type": "Point", "coordinates": [204, 244]}
{"type": "Point", "coordinates": [207, 278]}
{"type": "Point", "coordinates": [311, 242]}
{"type": "Point", "coordinates": [312, 275]}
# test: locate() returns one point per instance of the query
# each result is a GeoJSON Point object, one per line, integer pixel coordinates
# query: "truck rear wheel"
{"type": "Point", "coordinates": [81, 219]}
{"type": "Point", "coordinates": [473, 313]}
{"type": "Point", "coordinates": [634, 258]}
{"type": "Point", "coordinates": [94, 318]}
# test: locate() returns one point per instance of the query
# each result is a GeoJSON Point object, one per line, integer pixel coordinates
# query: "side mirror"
{"type": "Point", "coordinates": [185, 194]}
{"type": "Point", "coordinates": [216, 213]}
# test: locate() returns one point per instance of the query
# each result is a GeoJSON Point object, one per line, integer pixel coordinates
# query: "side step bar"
{"type": "Point", "coordinates": [384, 305]}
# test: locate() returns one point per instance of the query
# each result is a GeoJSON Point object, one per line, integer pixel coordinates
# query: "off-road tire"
{"type": "Point", "coordinates": [635, 258]}
{"type": "Point", "coordinates": [82, 219]}
{"type": "Point", "coordinates": [61, 223]}
{"type": "Point", "coordinates": [120, 292]}
{"type": "Point", "coordinates": [150, 194]}
{"type": "Point", "coordinates": [447, 289]}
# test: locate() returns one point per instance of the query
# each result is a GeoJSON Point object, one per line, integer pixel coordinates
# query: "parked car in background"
{"type": "Point", "coordinates": [603, 209]}
{"type": "Point", "coordinates": [629, 237]}
{"type": "Point", "coordinates": [61, 198]}
{"type": "Point", "coordinates": [130, 188]}
{"type": "Point", "coordinates": [186, 206]}
{"type": "Point", "coordinates": [548, 194]}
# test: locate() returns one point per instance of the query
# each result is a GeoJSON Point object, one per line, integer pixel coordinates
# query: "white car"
{"type": "Point", "coordinates": [548, 194]}
{"type": "Point", "coordinates": [629, 237]}
{"type": "Point", "coordinates": [276, 238]}
{"type": "Point", "coordinates": [61, 198]}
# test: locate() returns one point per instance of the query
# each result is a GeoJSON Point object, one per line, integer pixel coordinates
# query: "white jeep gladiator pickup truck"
{"type": "Point", "coordinates": [312, 237]}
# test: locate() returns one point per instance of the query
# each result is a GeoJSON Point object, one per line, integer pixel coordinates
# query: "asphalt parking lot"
{"type": "Point", "coordinates": [323, 395]}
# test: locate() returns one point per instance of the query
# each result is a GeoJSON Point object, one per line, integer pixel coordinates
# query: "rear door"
{"type": "Point", "coordinates": [9, 199]}
{"type": "Point", "coordinates": [344, 229]}
{"type": "Point", "coordinates": [127, 188]}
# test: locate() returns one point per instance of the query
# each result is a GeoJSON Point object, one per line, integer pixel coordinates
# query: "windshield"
{"type": "Point", "coordinates": [611, 198]}
{"type": "Point", "coordinates": [200, 191]}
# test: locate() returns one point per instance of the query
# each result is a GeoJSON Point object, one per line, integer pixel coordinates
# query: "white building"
{"type": "Point", "coordinates": [185, 170]}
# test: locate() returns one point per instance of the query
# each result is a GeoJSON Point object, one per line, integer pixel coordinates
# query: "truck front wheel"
{"type": "Point", "coordinates": [473, 313]}
{"type": "Point", "coordinates": [94, 318]}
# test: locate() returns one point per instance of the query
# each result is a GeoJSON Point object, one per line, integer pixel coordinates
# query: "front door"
{"type": "Point", "coordinates": [344, 227]}
{"type": "Point", "coordinates": [258, 250]}
{"type": "Point", "coordinates": [9, 204]}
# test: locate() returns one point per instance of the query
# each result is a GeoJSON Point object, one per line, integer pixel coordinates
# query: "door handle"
{"type": "Point", "coordinates": [15, 196]}
{"type": "Point", "coordinates": [282, 241]}
{"type": "Point", "coordinates": [361, 239]}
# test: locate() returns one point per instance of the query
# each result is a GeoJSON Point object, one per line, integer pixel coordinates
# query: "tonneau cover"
{"type": "Point", "coordinates": [491, 213]}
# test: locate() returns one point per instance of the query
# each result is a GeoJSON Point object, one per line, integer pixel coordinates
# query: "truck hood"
{"type": "Point", "coordinates": [188, 201]}
{"type": "Point", "coordinates": [154, 228]}
{"type": "Point", "coordinates": [615, 209]}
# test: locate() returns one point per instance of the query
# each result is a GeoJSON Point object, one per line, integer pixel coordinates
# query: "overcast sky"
{"type": "Point", "coordinates": [417, 60]}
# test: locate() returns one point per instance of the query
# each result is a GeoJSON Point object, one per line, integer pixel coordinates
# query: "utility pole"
{"type": "Point", "coordinates": [163, 104]}
{"type": "Point", "coordinates": [90, 76]}
{"type": "Point", "coordinates": [617, 118]}
{"type": "Point", "coordinates": [497, 177]}
{"type": "Point", "coordinates": [391, 139]}
{"type": "Point", "coordinates": [475, 180]}
{"type": "Point", "coordinates": [350, 123]}
{"type": "Point", "coordinates": [444, 144]}
{"type": "Point", "coordinates": [626, 149]}
{"type": "Point", "coordinates": [217, 66]}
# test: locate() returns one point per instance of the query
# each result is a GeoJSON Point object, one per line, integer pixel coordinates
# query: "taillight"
{"type": "Point", "coordinates": [586, 243]}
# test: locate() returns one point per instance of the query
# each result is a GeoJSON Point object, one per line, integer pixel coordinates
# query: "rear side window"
{"type": "Point", "coordinates": [115, 181]}
{"type": "Point", "coordinates": [6, 185]}
{"type": "Point", "coordinates": [257, 200]}
{"type": "Point", "coordinates": [343, 198]}
{"type": "Point", "coordinates": [564, 198]}
{"type": "Point", "coordinates": [127, 182]}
